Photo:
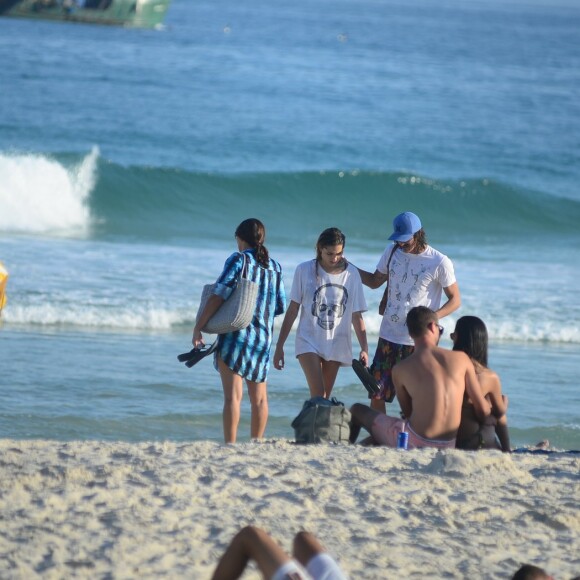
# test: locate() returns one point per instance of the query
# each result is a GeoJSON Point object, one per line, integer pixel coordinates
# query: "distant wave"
{"type": "Point", "coordinates": [151, 202]}
{"type": "Point", "coordinates": [39, 194]}
{"type": "Point", "coordinates": [71, 315]}
{"type": "Point", "coordinates": [100, 198]}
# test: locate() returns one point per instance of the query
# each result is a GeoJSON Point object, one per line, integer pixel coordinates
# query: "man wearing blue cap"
{"type": "Point", "coordinates": [416, 275]}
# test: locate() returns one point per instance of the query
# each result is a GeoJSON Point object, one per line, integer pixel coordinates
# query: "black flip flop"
{"type": "Point", "coordinates": [196, 354]}
{"type": "Point", "coordinates": [369, 382]}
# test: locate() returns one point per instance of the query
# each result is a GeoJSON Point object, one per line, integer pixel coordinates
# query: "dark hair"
{"type": "Point", "coordinates": [253, 232]}
{"type": "Point", "coordinates": [530, 572]}
{"type": "Point", "coordinates": [329, 237]}
{"type": "Point", "coordinates": [420, 238]}
{"type": "Point", "coordinates": [418, 319]}
{"type": "Point", "coordinates": [471, 338]}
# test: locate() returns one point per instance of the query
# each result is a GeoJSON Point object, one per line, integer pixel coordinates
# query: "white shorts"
{"type": "Point", "coordinates": [291, 570]}
{"type": "Point", "coordinates": [321, 567]}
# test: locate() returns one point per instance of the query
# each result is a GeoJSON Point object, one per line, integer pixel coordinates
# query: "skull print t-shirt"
{"type": "Point", "coordinates": [327, 302]}
{"type": "Point", "coordinates": [414, 280]}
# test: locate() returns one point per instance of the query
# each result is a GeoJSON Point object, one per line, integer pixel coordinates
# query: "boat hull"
{"type": "Point", "coordinates": [137, 13]}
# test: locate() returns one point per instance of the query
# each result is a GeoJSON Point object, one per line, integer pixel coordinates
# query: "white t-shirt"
{"type": "Point", "coordinates": [414, 280]}
{"type": "Point", "coordinates": [327, 302]}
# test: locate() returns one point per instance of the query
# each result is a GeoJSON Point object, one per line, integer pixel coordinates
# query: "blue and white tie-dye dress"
{"type": "Point", "coordinates": [247, 352]}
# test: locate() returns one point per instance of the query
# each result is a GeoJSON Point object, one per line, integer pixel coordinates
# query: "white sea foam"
{"type": "Point", "coordinates": [138, 317]}
{"type": "Point", "coordinates": [153, 315]}
{"type": "Point", "coordinates": [521, 327]}
{"type": "Point", "coordinates": [41, 195]}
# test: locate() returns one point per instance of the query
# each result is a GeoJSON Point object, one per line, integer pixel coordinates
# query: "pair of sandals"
{"type": "Point", "coordinates": [192, 357]}
{"type": "Point", "coordinates": [366, 378]}
{"type": "Point", "coordinates": [369, 382]}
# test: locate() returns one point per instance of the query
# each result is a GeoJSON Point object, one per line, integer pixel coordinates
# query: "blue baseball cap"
{"type": "Point", "coordinates": [405, 225]}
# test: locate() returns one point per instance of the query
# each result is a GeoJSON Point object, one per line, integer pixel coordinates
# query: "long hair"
{"type": "Point", "coordinates": [329, 237]}
{"type": "Point", "coordinates": [471, 338]}
{"type": "Point", "coordinates": [253, 232]}
{"type": "Point", "coordinates": [420, 238]}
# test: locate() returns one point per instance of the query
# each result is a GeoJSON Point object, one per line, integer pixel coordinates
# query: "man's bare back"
{"type": "Point", "coordinates": [430, 385]}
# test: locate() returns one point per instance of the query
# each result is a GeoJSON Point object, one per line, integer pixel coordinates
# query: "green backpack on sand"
{"type": "Point", "coordinates": [322, 421]}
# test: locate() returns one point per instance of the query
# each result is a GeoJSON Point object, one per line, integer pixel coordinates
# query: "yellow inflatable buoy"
{"type": "Point", "coordinates": [3, 280]}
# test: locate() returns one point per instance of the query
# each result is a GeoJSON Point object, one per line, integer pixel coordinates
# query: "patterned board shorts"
{"type": "Point", "coordinates": [387, 355]}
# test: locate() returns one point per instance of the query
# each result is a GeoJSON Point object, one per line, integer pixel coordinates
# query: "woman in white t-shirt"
{"type": "Point", "coordinates": [328, 293]}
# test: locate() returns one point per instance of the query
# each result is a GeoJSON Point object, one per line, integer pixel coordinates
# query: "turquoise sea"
{"type": "Point", "coordinates": [128, 157]}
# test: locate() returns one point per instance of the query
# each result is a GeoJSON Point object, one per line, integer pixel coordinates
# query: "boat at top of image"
{"type": "Point", "coordinates": [134, 13]}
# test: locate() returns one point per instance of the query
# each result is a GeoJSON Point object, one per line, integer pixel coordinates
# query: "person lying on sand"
{"type": "Point", "coordinates": [430, 385]}
{"type": "Point", "coordinates": [309, 559]}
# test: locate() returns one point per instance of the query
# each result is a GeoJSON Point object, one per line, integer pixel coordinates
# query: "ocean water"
{"type": "Point", "coordinates": [128, 157]}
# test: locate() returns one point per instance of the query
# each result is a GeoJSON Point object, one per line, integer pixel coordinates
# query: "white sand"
{"type": "Point", "coordinates": [148, 510]}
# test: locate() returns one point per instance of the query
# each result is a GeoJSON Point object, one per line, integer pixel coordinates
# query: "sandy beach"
{"type": "Point", "coordinates": [144, 510]}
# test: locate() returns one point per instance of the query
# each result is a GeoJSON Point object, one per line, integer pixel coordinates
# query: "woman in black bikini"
{"type": "Point", "coordinates": [470, 336]}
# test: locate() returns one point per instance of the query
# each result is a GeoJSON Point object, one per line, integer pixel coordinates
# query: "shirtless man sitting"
{"type": "Point", "coordinates": [430, 385]}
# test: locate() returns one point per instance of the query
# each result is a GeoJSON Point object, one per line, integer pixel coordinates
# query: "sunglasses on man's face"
{"type": "Point", "coordinates": [440, 328]}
